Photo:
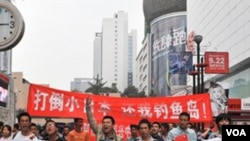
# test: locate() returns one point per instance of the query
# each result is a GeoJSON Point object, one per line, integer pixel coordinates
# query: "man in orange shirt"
{"type": "Point", "coordinates": [78, 134]}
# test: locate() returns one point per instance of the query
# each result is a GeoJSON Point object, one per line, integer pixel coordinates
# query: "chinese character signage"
{"type": "Point", "coordinates": [168, 34]}
{"type": "Point", "coordinates": [49, 102]}
{"type": "Point", "coordinates": [217, 62]}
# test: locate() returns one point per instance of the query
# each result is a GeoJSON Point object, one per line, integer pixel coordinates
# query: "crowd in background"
{"type": "Point", "coordinates": [145, 130]}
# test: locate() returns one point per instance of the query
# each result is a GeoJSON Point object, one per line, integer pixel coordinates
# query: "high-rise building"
{"type": "Point", "coordinates": [117, 49]}
{"type": "Point", "coordinates": [81, 84]}
{"type": "Point", "coordinates": [98, 55]}
{"type": "Point", "coordinates": [132, 52]}
{"type": "Point", "coordinates": [143, 67]}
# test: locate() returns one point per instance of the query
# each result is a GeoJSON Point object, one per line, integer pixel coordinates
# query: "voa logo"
{"type": "Point", "coordinates": [236, 132]}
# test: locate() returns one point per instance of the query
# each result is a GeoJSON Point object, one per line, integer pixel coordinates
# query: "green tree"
{"type": "Point", "coordinates": [98, 87]}
{"type": "Point", "coordinates": [132, 91]}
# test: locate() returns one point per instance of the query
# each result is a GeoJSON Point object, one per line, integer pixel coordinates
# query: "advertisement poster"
{"type": "Point", "coordinates": [4, 91]}
{"type": "Point", "coordinates": [168, 34]}
{"type": "Point", "coordinates": [218, 92]}
{"type": "Point", "coordinates": [218, 62]}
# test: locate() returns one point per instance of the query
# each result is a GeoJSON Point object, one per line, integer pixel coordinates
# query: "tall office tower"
{"type": "Point", "coordinates": [117, 50]}
{"type": "Point", "coordinates": [98, 55]}
{"type": "Point", "coordinates": [142, 79]}
{"type": "Point", "coordinates": [132, 52]}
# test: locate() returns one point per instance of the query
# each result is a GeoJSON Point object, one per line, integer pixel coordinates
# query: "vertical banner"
{"type": "Point", "coordinates": [168, 34]}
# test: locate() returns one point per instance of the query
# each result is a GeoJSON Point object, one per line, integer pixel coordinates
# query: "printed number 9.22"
{"type": "Point", "coordinates": [216, 60]}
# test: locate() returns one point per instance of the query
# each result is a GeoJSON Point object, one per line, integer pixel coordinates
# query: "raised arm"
{"type": "Point", "coordinates": [91, 119]}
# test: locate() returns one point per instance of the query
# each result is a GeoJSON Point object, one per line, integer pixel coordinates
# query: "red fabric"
{"type": "Point", "coordinates": [49, 102]}
{"type": "Point", "coordinates": [182, 137]}
{"type": "Point", "coordinates": [217, 62]}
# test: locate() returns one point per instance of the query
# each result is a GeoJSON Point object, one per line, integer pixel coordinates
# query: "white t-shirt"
{"type": "Point", "coordinates": [20, 137]}
{"type": "Point", "coordinates": [8, 139]}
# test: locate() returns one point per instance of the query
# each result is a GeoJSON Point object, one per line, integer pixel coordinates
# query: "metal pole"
{"type": "Point", "coordinates": [198, 68]}
{"type": "Point", "coordinates": [198, 39]}
{"type": "Point", "coordinates": [194, 87]}
{"type": "Point", "coordinates": [202, 76]}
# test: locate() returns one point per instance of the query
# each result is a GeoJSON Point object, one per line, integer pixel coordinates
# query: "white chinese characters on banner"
{"type": "Point", "coordinates": [57, 101]}
{"type": "Point", "coordinates": [176, 108]}
{"type": "Point", "coordinates": [104, 108]}
{"type": "Point", "coordinates": [72, 103]}
{"type": "Point", "coordinates": [193, 109]}
{"type": "Point", "coordinates": [128, 110]}
{"type": "Point", "coordinates": [161, 109]}
{"type": "Point", "coordinates": [144, 111]}
{"type": "Point", "coordinates": [40, 97]}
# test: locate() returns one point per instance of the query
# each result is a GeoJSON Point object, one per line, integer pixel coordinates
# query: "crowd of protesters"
{"type": "Point", "coordinates": [145, 130]}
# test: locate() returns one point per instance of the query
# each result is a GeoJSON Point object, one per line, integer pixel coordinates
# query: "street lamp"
{"type": "Point", "coordinates": [197, 40]}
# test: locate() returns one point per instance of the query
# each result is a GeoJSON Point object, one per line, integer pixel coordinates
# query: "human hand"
{"type": "Point", "coordinates": [88, 101]}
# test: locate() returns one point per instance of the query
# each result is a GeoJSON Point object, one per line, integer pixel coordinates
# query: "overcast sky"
{"type": "Point", "coordinates": [58, 41]}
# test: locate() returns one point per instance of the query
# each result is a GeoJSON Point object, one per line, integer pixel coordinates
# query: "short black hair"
{"type": "Point", "coordinates": [185, 114]}
{"type": "Point", "coordinates": [134, 126]}
{"type": "Point", "coordinates": [33, 124]}
{"type": "Point", "coordinates": [26, 114]}
{"type": "Point", "coordinates": [1, 124]}
{"type": "Point", "coordinates": [165, 125]}
{"type": "Point", "coordinates": [109, 117]}
{"type": "Point", "coordinates": [223, 116]}
{"type": "Point", "coordinates": [146, 121]}
{"type": "Point", "coordinates": [158, 123]}
{"type": "Point", "coordinates": [16, 125]}
{"type": "Point", "coordinates": [77, 119]}
{"type": "Point", "coordinates": [50, 120]}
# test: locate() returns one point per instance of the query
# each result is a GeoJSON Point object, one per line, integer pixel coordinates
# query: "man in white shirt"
{"type": "Point", "coordinates": [24, 121]}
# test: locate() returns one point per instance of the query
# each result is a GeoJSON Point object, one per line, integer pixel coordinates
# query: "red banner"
{"type": "Point", "coordinates": [217, 62]}
{"type": "Point", "coordinates": [49, 102]}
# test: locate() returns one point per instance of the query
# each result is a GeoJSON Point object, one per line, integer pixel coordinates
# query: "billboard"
{"type": "Point", "coordinates": [4, 91]}
{"type": "Point", "coordinates": [180, 62]}
{"type": "Point", "coordinates": [168, 34]}
{"type": "Point", "coordinates": [217, 62]}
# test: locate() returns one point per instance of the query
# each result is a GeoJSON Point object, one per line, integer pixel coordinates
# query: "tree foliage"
{"type": "Point", "coordinates": [132, 91]}
{"type": "Point", "coordinates": [98, 87]}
